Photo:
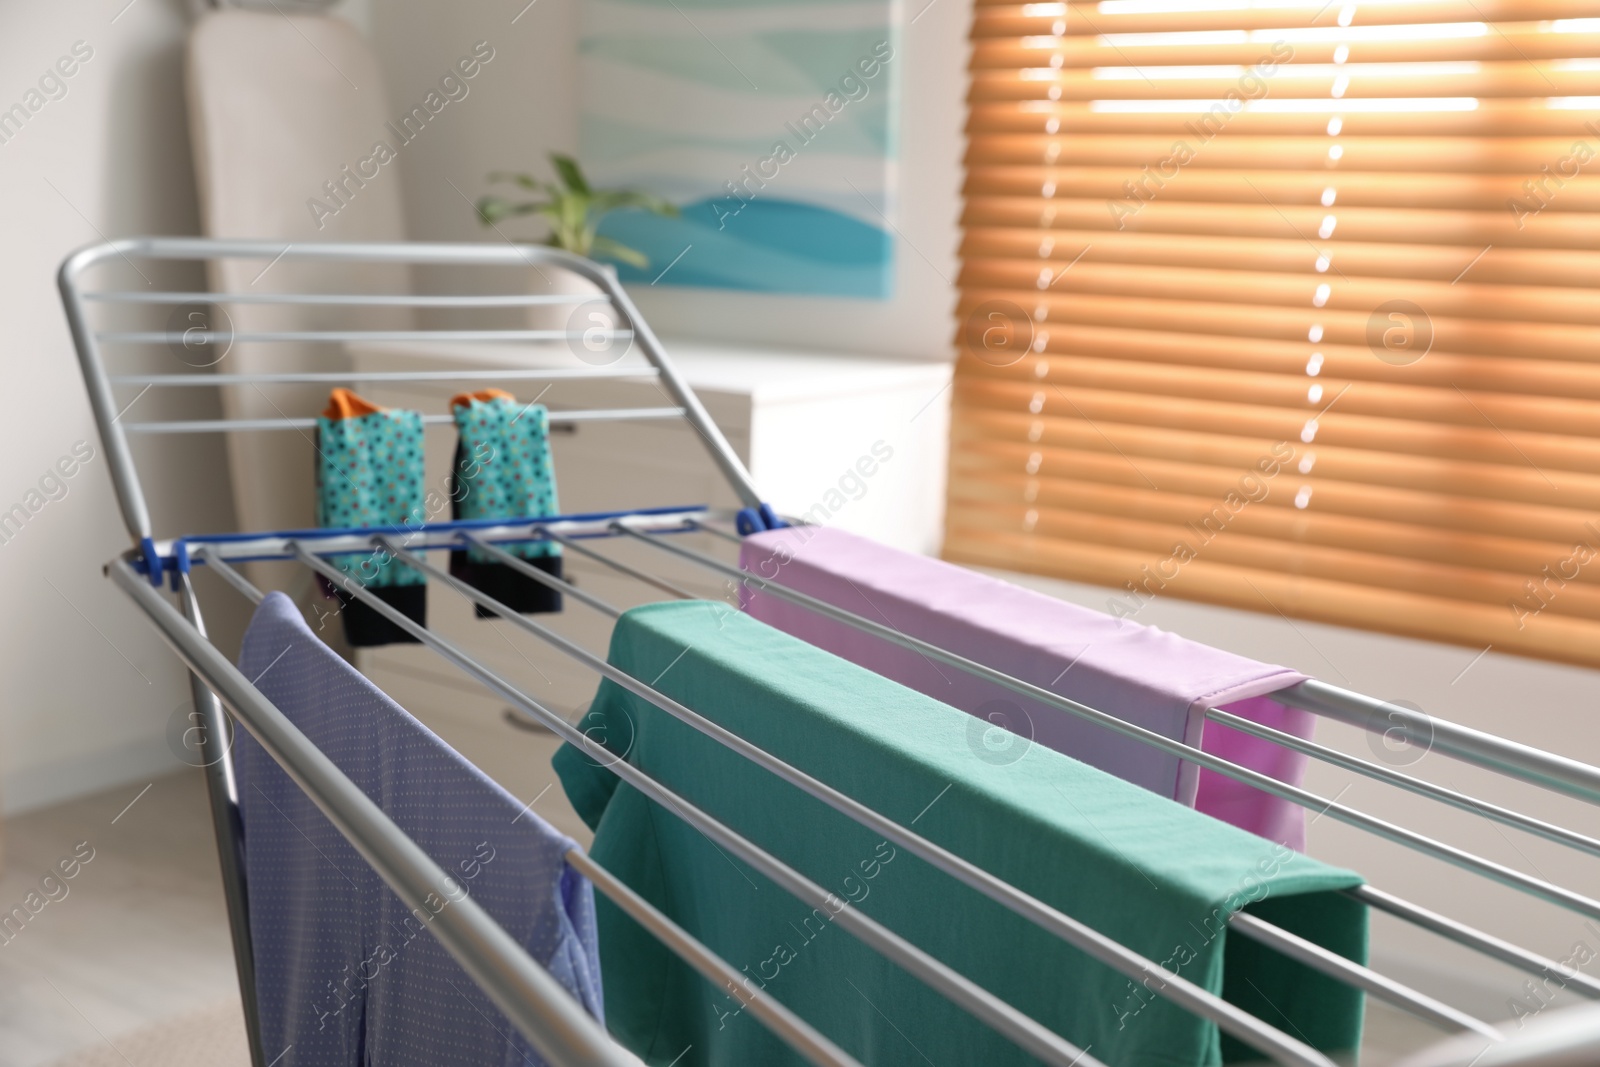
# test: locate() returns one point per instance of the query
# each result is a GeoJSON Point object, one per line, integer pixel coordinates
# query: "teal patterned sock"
{"type": "Point", "coordinates": [369, 473]}
{"type": "Point", "coordinates": [505, 470]}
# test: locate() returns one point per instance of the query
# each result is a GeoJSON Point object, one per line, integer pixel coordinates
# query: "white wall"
{"type": "Point", "coordinates": [88, 688]}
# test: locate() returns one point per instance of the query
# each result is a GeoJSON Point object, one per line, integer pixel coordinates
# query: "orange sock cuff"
{"type": "Point", "coordinates": [463, 400]}
{"type": "Point", "coordinates": [343, 404]}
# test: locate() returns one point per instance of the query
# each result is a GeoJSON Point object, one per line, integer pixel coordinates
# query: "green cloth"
{"type": "Point", "coordinates": [1154, 875]}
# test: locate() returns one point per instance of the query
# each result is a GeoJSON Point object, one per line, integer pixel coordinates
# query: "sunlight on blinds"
{"type": "Point", "coordinates": [1289, 305]}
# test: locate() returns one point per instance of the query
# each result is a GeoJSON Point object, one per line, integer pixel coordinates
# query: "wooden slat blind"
{"type": "Point", "coordinates": [1289, 305]}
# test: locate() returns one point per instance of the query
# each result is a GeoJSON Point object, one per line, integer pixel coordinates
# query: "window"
{"type": "Point", "coordinates": [1290, 306]}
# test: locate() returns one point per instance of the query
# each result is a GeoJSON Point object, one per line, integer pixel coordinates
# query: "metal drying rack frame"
{"type": "Point", "coordinates": [551, 1020]}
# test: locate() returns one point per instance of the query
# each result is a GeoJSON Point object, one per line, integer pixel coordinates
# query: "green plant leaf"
{"type": "Point", "coordinates": [607, 200]}
{"type": "Point", "coordinates": [605, 246]}
{"type": "Point", "coordinates": [491, 209]}
{"type": "Point", "coordinates": [573, 209]}
{"type": "Point", "coordinates": [566, 213]}
{"type": "Point", "coordinates": [571, 174]}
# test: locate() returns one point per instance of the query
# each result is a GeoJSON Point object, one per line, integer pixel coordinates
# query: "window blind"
{"type": "Point", "coordinates": [1290, 306]}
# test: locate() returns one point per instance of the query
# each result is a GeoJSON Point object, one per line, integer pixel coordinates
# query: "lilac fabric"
{"type": "Point", "coordinates": [1141, 674]}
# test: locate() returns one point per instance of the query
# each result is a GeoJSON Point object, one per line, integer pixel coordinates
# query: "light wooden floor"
{"type": "Point", "coordinates": [140, 935]}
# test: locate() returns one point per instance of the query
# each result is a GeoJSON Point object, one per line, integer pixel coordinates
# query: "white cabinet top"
{"type": "Point", "coordinates": [773, 374]}
{"type": "Point", "coordinates": [765, 375]}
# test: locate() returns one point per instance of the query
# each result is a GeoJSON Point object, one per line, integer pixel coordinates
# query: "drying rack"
{"type": "Point", "coordinates": [156, 573]}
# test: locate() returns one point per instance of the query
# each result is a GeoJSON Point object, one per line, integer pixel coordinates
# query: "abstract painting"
{"type": "Point", "coordinates": [770, 124]}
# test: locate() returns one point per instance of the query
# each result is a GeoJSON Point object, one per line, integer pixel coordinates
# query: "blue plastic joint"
{"type": "Point", "coordinates": [755, 520]}
{"type": "Point", "coordinates": [181, 564]}
{"type": "Point", "coordinates": [152, 561]}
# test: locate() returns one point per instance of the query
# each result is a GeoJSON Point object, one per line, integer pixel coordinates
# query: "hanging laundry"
{"type": "Point", "coordinates": [1138, 673]}
{"type": "Point", "coordinates": [1151, 874]}
{"type": "Point", "coordinates": [369, 473]}
{"type": "Point", "coordinates": [346, 972]}
{"type": "Point", "coordinates": [503, 470]}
